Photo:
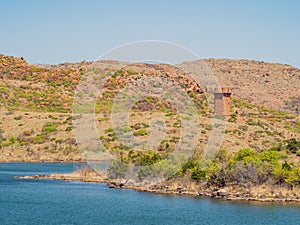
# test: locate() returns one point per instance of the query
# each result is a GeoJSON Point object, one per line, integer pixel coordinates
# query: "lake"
{"type": "Point", "coordinates": [59, 202]}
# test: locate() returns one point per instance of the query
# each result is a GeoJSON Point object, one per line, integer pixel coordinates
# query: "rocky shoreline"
{"type": "Point", "coordinates": [221, 194]}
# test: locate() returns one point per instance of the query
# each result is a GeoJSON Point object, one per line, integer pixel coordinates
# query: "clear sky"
{"type": "Point", "coordinates": [53, 31]}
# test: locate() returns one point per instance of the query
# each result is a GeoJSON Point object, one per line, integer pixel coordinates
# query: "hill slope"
{"type": "Point", "coordinates": [36, 102]}
{"type": "Point", "coordinates": [275, 86]}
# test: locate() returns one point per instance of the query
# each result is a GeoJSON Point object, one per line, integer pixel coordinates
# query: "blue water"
{"type": "Point", "coordinates": [59, 202]}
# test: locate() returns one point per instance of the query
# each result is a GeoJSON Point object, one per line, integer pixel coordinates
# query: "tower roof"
{"type": "Point", "coordinates": [222, 90]}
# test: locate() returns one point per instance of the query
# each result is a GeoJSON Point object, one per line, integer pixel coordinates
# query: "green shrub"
{"type": "Point", "coordinates": [138, 126]}
{"type": "Point", "coordinates": [146, 158]}
{"type": "Point", "coordinates": [4, 90]}
{"type": "Point", "coordinates": [269, 133]}
{"type": "Point", "coordinates": [109, 130]}
{"type": "Point", "coordinates": [102, 137]}
{"type": "Point", "coordinates": [38, 139]}
{"type": "Point", "coordinates": [251, 122]}
{"type": "Point", "coordinates": [140, 132]}
{"type": "Point", "coordinates": [22, 143]}
{"type": "Point", "coordinates": [36, 70]}
{"type": "Point", "coordinates": [12, 139]}
{"type": "Point", "coordinates": [131, 72]}
{"type": "Point", "coordinates": [120, 147]}
{"type": "Point", "coordinates": [287, 174]}
{"type": "Point", "coordinates": [198, 175]}
{"type": "Point", "coordinates": [69, 128]}
{"type": "Point", "coordinates": [49, 128]}
{"type": "Point", "coordinates": [190, 165]}
{"type": "Point", "coordinates": [269, 156]}
{"type": "Point", "coordinates": [118, 73]}
{"type": "Point", "coordinates": [293, 145]}
{"type": "Point", "coordinates": [5, 143]}
{"type": "Point", "coordinates": [234, 115]}
{"type": "Point", "coordinates": [66, 84]}
{"type": "Point", "coordinates": [117, 169]}
{"type": "Point", "coordinates": [277, 147]}
{"type": "Point", "coordinates": [246, 156]}
{"type": "Point", "coordinates": [243, 153]}
{"type": "Point", "coordinates": [51, 84]}
{"type": "Point", "coordinates": [67, 150]}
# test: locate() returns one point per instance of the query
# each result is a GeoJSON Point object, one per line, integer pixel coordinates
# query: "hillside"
{"type": "Point", "coordinates": [36, 104]}
{"type": "Point", "coordinates": [37, 89]}
{"type": "Point", "coordinates": [272, 85]}
{"type": "Point", "coordinates": [51, 87]}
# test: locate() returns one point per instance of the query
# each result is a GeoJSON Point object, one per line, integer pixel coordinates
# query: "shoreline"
{"type": "Point", "coordinates": [211, 193]}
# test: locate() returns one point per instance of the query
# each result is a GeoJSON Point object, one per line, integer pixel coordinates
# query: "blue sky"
{"type": "Point", "coordinates": [53, 31]}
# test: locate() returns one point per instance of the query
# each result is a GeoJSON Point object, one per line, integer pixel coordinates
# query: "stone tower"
{"type": "Point", "coordinates": [222, 101]}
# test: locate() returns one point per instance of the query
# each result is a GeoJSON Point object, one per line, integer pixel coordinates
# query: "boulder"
{"type": "Point", "coordinates": [222, 193]}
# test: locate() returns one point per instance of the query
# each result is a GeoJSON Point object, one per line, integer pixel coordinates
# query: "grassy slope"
{"type": "Point", "coordinates": [44, 132]}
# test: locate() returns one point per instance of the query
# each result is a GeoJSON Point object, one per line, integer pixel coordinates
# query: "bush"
{"type": "Point", "coordinates": [118, 73]}
{"type": "Point", "coordinates": [277, 147]}
{"type": "Point", "coordinates": [190, 165]}
{"type": "Point", "coordinates": [149, 158]}
{"type": "Point", "coordinates": [12, 139]}
{"type": "Point", "coordinates": [287, 174]}
{"type": "Point", "coordinates": [5, 143]}
{"type": "Point", "coordinates": [49, 128]}
{"type": "Point", "coordinates": [109, 130]}
{"type": "Point", "coordinates": [140, 132]}
{"type": "Point", "coordinates": [293, 145]}
{"type": "Point", "coordinates": [117, 169]}
{"type": "Point", "coordinates": [38, 139]}
{"type": "Point", "coordinates": [251, 122]}
{"type": "Point", "coordinates": [270, 156]}
{"type": "Point", "coordinates": [233, 117]}
{"type": "Point", "coordinates": [198, 175]}
{"type": "Point", "coordinates": [243, 153]}
{"type": "Point", "coordinates": [69, 128]}
{"type": "Point", "coordinates": [139, 126]}
{"type": "Point", "coordinates": [36, 70]}
{"type": "Point", "coordinates": [120, 147]}
{"type": "Point", "coordinates": [243, 166]}
{"type": "Point", "coordinates": [131, 72]}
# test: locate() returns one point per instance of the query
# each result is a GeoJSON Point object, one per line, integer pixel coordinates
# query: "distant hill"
{"type": "Point", "coordinates": [273, 85]}
{"type": "Point", "coordinates": [51, 87]}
